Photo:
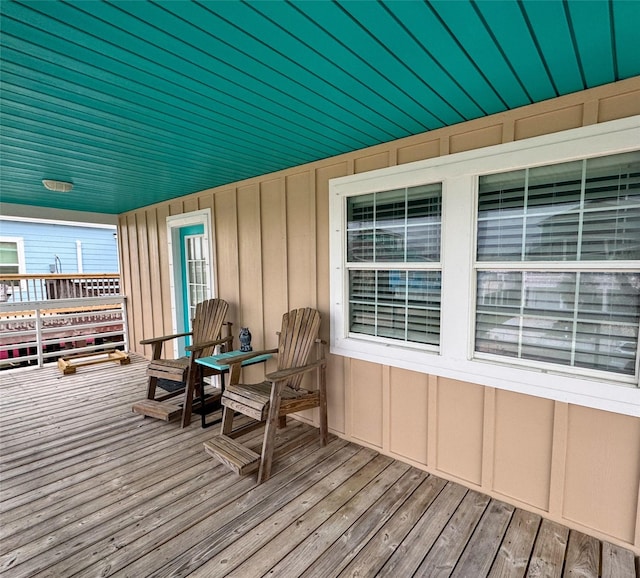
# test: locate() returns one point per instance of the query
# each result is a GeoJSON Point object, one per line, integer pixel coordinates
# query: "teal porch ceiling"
{"type": "Point", "coordinates": [136, 102]}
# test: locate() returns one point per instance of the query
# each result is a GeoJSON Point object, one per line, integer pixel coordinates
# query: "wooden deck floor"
{"type": "Point", "coordinates": [90, 489]}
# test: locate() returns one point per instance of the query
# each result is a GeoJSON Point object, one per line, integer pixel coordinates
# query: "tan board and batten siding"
{"type": "Point", "coordinates": [575, 465]}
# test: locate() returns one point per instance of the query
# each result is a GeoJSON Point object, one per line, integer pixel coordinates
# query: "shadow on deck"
{"type": "Point", "coordinates": [91, 489]}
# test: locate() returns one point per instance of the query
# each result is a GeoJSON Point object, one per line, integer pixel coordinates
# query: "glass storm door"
{"type": "Point", "coordinates": [195, 266]}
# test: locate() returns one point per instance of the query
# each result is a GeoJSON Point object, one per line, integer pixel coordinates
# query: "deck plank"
{"type": "Point", "coordinates": [379, 549]}
{"type": "Point", "coordinates": [480, 552]}
{"type": "Point", "coordinates": [583, 556]}
{"type": "Point", "coordinates": [90, 488]}
{"type": "Point", "coordinates": [513, 557]}
{"type": "Point", "coordinates": [417, 544]}
{"type": "Point", "coordinates": [617, 562]}
{"type": "Point", "coordinates": [547, 560]}
{"type": "Point", "coordinates": [444, 554]}
{"type": "Point", "coordinates": [366, 523]}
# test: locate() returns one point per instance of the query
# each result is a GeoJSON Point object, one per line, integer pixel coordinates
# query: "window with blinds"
{"type": "Point", "coordinates": [555, 279]}
{"type": "Point", "coordinates": [9, 257]}
{"type": "Point", "coordinates": [196, 271]}
{"type": "Point", "coordinates": [393, 263]}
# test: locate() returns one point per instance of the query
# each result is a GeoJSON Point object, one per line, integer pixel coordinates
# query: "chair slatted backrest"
{"type": "Point", "coordinates": [207, 323]}
{"type": "Point", "coordinates": [299, 332]}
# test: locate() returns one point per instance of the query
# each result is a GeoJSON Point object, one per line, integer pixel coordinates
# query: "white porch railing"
{"type": "Point", "coordinates": [28, 288]}
{"type": "Point", "coordinates": [45, 317]}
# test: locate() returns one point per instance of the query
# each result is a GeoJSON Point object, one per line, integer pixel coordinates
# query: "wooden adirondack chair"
{"type": "Point", "coordinates": [279, 395]}
{"type": "Point", "coordinates": [206, 336]}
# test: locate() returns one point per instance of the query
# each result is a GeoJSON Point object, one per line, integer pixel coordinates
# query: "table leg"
{"type": "Point", "coordinates": [203, 414]}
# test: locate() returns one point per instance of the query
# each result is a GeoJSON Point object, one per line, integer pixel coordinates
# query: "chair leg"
{"type": "Point", "coordinates": [270, 433]}
{"type": "Point", "coordinates": [151, 387]}
{"type": "Point", "coordinates": [267, 451]}
{"type": "Point", "coordinates": [227, 420]}
{"type": "Point", "coordinates": [188, 397]}
{"type": "Point", "coordinates": [153, 381]}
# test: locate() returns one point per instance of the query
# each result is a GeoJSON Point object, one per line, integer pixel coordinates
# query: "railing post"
{"type": "Point", "coordinates": [125, 323]}
{"type": "Point", "coordinates": [40, 346]}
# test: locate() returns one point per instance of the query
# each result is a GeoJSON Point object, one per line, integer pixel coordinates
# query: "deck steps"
{"type": "Point", "coordinates": [238, 457]}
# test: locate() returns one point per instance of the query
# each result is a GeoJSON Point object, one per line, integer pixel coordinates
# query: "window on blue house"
{"type": "Point", "coordinates": [9, 257]}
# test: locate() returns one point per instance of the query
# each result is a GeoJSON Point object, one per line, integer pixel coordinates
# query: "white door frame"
{"type": "Point", "coordinates": [174, 224]}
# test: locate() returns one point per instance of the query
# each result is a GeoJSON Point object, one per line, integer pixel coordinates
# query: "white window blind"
{"type": "Point", "coordinates": [553, 277]}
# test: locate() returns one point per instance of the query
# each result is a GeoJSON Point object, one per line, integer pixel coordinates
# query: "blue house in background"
{"type": "Point", "coordinates": [57, 259]}
{"type": "Point", "coordinates": [36, 246]}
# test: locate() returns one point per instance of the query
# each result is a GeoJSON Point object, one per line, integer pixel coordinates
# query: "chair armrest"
{"type": "Point", "coordinates": [162, 339]}
{"type": "Point", "coordinates": [282, 374]}
{"type": "Point", "coordinates": [201, 346]}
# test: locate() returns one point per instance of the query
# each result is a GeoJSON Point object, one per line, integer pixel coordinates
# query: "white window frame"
{"type": "Point", "coordinates": [459, 176]}
{"type": "Point", "coordinates": [19, 241]}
